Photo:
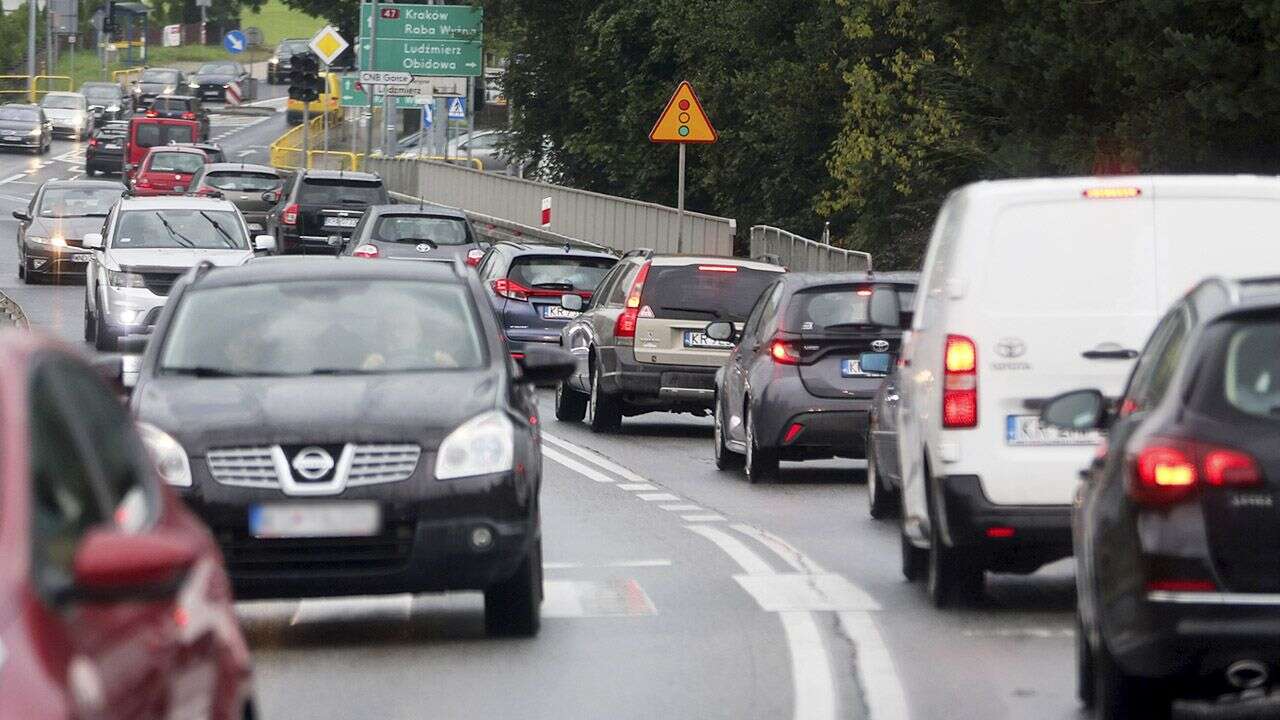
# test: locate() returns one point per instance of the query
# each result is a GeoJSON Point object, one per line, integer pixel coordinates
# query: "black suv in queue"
{"type": "Point", "coordinates": [105, 151]}
{"type": "Point", "coordinates": [353, 428]}
{"type": "Point", "coordinates": [318, 204]}
{"type": "Point", "coordinates": [1175, 524]}
{"type": "Point", "coordinates": [641, 344]}
{"type": "Point", "coordinates": [181, 107]}
{"type": "Point", "coordinates": [281, 62]}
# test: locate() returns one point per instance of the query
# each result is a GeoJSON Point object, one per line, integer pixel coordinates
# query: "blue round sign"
{"type": "Point", "coordinates": [235, 42]}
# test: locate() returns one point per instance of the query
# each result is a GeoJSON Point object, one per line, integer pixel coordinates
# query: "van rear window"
{"type": "Point", "coordinates": [153, 134]}
{"type": "Point", "coordinates": [700, 292]}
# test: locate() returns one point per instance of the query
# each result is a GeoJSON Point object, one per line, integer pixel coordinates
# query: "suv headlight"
{"type": "Point", "coordinates": [483, 445]}
{"type": "Point", "coordinates": [119, 278]}
{"type": "Point", "coordinates": [113, 108]}
{"type": "Point", "coordinates": [34, 132]}
{"type": "Point", "coordinates": [274, 61]}
{"type": "Point", "coordinates": [170, 458]}
{"type": "Point", "coordinates": [38, 239]}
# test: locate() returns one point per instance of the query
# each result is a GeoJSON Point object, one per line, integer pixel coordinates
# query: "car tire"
{"type": "Point", "coordinates": [103, 338]}
{"type": "Point", "coordinates": [882, 502]}
{"type": "Point", "coordinates": [726, 459]}
{"type": "Point", "coordinates": [604, 411]}
{"type": "Point", "coordinates": [914, 560]}
{"type": "Point", "coordinates": [1085, 672]}
{"type": "Point", "coordinates": [953, 579]}
{"type": "Point", "coordinates": [22, 267]}
{"type": "Point", "coordinates": [761, 463]}
{"type": "Point", "coordinates": [1118, 696]}
{"type": "Point", "coordinates": [513, 607]}
{"type": "Point", "coordinates": [571, 405]}
{"type": "Point", "coordinates": [90, 325]}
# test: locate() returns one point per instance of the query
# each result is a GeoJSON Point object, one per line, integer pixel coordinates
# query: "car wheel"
{"type": "Point", "coordinates": [953, 579]}
{"type": "Point", "coordinates": [513, 607]}
{"type": "Point", "coordinates": [761, 463]}
{"type": "Point", "coordinates": [604, 412]}
{"type": "Point", "coordinates": [914, 560]}
{"type": "Point", "coordinates": [22, 267]}
{"type": "Point", "coordinates": [882, 502]}
{"type": "Point", "coordinates": [1118, 696]}
{"type": "Point", "coordinates": [1084, 667]}
{"type": "Point", "coordinates": [571, 405]}
{"type": "Point", "coordinates": [103, 338]}
{"type": "Point", "coordinates": [726, 459]}
{"type": "Point", "coordinates": [90, 325]}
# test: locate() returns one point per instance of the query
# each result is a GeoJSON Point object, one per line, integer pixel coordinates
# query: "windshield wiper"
{"type": "Point", "coordinates": [226, 238]}
{"type": "Point", "coordinates": [183, 240]}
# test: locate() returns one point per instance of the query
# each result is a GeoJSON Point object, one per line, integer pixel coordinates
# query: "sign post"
{"type": "Point", "coordinates": [327, 45]}
{"type": "Point", "coordinates": [683, 121]}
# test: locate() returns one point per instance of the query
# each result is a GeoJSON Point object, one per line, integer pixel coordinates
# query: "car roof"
{"type": "Point", "coordinates": [286, 269]}
{"type": "Point", "coordinates": [63, 93]}
{"type": "Point", "coordinates": [166, 202]}
{"type": "Point", "coordinates": [681, 260]}
{"type": "Point", "coordinates": [190, 149]}
{"type": "Point", "coordinates": [415, 209]}
{"type": "Point", "coordinates": [113, 184]}
{"type": "Point", "coordinates": [801, 280]}
{"type": "Point", "coordinates": [581, 249]}
{"type": "Point", "coordinates": [29, 106]}
{"type": "Point", "coordinates": [1265, 186]}
{"type": "Point", "coordinates": [247, 167]}
{"type": "Point", "coordinates": [342, 175]}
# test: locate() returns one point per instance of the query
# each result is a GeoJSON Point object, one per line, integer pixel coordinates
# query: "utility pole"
{"type": "Point", "coordinates": [373, 50]}
{"type": "Point", "coordinates": [31, 49]}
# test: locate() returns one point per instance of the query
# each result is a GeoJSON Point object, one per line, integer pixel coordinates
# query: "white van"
{"type": "Point", "coordinates": [1031, 288]}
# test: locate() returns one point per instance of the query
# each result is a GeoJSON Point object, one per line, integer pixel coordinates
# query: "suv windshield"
{"type": "Point", "coordinates": [327, 191]}
{"type": "Point", "coordinates": [560, 272]}
{"type": "Point", "coordinates": [222, 68]}
{"type": "Point", "coordinates": [415, 228]}
{"type": "Point", "coordinates": [62, 102]}
{"type": "Point", "coordinates": [293, 48]}
{"type": "Point", "coordinates": [704, 291]}
{"type": "Point", "coordinates": [78, 202]}
{"type": "Point", "coordinates": [243, 181]}
{"type": "Point", "coordinates": [159, 76]}
{"type": "Point", "coordinates": [179, 228]}
{"type": "Point", "coordinates": [324, 327]}
{"type": "Point", "coordinates": [838, 306]}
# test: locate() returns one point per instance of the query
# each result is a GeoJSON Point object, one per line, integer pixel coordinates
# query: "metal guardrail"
{"type": "Point", "coordinates": [11, 314]}
{"type": "Point", "coordinates": [124, 77]}
{"type": "Point", "coordinates": [619, 223]}
{"type": "Point", "coordinates": [802, 254]}
{"type": "Point", "coordinates": [15, 87]}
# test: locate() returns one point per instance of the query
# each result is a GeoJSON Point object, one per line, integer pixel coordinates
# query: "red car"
{"type": "Point", "coordinates": [168, 170]}
{"type": "Point", "coordinates": [114, 602]}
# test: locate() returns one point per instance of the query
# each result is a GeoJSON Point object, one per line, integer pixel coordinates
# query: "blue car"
{"type": "Point", "coordinates": [526, 280]}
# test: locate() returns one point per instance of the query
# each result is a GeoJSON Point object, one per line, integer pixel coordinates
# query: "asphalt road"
{"type": "Point", "coordinates": [673, 590]}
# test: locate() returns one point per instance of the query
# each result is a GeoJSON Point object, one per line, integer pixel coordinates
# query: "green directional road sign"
{"type": "Point", "coordinates": [424, 57]}
{"type": "Point", "coordinates": [352, 97]}
{"type": "Point", "coordinates": [426, 22]}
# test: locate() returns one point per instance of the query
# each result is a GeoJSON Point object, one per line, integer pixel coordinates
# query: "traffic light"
{"type": "Point", "coordinates": [109, 18]}
{"type": "Point", "coordinates": [304, 83]}
{"type": "Point", "coordinates": [478, 93]}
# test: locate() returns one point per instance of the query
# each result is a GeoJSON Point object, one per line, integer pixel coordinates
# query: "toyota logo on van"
{"type": "Point", "coordinates": [1010, 347]}
{"type": "Point", "coordinates": [880, 345]}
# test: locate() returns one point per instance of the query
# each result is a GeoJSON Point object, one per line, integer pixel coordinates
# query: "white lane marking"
{"type": "Point", "coordinates": [784, 592]}
{"type": "Point", "coordinates": [11, 178]}
{"type": "Point", "coordinates": [575, 466]}
{"type": "Point", "coordinates": [886, 699]}
{"type": "Point", "coordinates": [14, 198]}
{"type": "Point", "coordinates": [269, 101]}
{"type": "Point", "coordinates": [351, 608]}
{"type": "Point", "coordinates": [750, 562]}
{"type": "Point", "coordinates": [594, 458]}
{"type": "Point", "coordinates": [244, 153]}
{"type": "Point", "coordinates": [658, 497]}
{"type": "Point", "coordinates": [583, 598]}
{"type": "Point", "coordinates": [681, 507]}
{"type": "Point", "coordinates": [656, 562]}
{"type": "Point", "coordinates": [789, 554]}
{"type": "Point", "coordinates": [705, 517]}
{"type": "Point", "coordinates": [815, 690]}
{"type": "Point", "coordinates": [637, 487]}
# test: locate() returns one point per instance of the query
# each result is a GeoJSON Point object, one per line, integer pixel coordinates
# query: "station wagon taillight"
{"type": "Point", "coordinates": [365, 251]}
{"type": "Point", "coordinates": [625, 326]}
{"type": "Point", "coordinates": [960, 383]}
{"type": "Point", "coordinates": [290, 214]}
{"type": "Point", "coordinates": [510, 289]}
{"type": "Point", "coordinates": [1167, 470]}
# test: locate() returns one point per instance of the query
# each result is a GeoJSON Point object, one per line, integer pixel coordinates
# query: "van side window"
{"type": "Point", "coordinates": [617, 295]}
{"type": "Point", "coordinates": [1155, 368]}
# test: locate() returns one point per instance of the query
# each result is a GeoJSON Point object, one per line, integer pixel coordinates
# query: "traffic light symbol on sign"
{"type": "Point", "coordinates": [683, 120]}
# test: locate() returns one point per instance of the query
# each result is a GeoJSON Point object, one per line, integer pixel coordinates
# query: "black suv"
{"type": "Point", "coordinates": [105, 151]}
{"type": "Point", "coordinates": [319, 204]}
{"type": "Point", "coordinates": [1176, 526]}
{"type": "Point", "coordinates": [641, 343]}
{"type": "Point", "coordinates": [354, 428]}
{"type": "Point", "coordinates": [281, 62]}
{"type": "Point", "coordinates": [181, 107]}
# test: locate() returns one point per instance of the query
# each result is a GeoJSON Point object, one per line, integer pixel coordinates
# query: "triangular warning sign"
{"type": "Point", "coordinates": [684, 120]}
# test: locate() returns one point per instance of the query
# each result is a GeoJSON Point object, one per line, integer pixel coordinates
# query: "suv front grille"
{"type": "Point", "coordinates": [374, 464]}
{"type": "Point", "coordinates": [160, 283]}
{"type": "Point", "coordinates": [260, 467]}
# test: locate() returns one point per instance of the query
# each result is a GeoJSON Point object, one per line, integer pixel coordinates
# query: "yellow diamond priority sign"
{"type": "Point", "coordinates": [684, 120]}
{"type": "Point", "coordinates": [328, 44]}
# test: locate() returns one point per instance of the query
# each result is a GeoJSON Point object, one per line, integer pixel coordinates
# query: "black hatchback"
{"type": "Point", "coordinates": [800, 382]}
{"type": "Point", "coordinates": [1177, 523]}
{"type": "Point", "coordinates": [353, 428]}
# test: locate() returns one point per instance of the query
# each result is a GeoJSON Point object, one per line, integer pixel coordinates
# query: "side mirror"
{"type": "Point", "coordinates": [264, 243]}
{"type": "Point", "coordinates": [112, 566]}
{"type": "Point", "coordinates": [93, 241]}
{"type": "Point", "coordinates": [271, 196]}
{"type": "Point", "coordinates": [1076, 411]}
{"type": "Point", "coordinates": [721, 330]}
{"type": "Point", "coordinates": [571, 301]}
{"type": "Point", "coordinates": [884, 309]}
{"type": "Point", "coordinates": [22, 215]}
{"type": "Point", "coordinates": [545, 365]}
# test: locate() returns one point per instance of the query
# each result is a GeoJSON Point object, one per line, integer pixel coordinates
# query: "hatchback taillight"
{"type": "Point", "coordinates": [152, 113]}
{"type": "Point", "coordinates": [290, 214]}
{"type": "Point", "coordinates": [1166, 470]}
{"type": "Point", "coordinates": [510, 289]}
{"type": "Point", "coordinates": [625, 325]}
{"type": "Point", "coordinates": [365, 251]}
{"type": "Point", "coordinates": [188, 116]}
{"type": "Point", "coordinates": [784, 352]}
{"type": "Point", "coordinates": [960, 383]}
{"type": "Point", "coordinates": [473, 256]}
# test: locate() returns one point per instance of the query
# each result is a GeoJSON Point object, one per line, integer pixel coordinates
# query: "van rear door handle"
{"type": "Point", "coordinates": [1117, 354]}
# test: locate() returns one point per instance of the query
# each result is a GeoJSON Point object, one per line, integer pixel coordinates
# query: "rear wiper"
{"type": "Point", "coordinates": [200, 371]}
{"type": "Point", "coordinates": [701, 311]}
{"type": "Point", "coordinates": [183, 240]}
{"type": "Point", "coordinates": [554, 286]}
{"type": "Point", "coordinates": [226, 238]}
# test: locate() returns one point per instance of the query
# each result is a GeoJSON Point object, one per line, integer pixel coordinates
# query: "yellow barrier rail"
{"type": "Point", "coordinates": [286, 153]}
{"type": "Point", "coordinates": [50, 84]}
{"type": "Point", "coordinates": [121, 77]}
{"type": "Point", "coordinates": [16, 86]}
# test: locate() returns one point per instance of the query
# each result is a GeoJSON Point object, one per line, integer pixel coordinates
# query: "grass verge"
{"type": "Point", "coordinates": [278, 22]}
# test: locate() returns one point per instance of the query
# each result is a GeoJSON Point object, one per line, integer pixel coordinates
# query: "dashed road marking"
{"type": "Point", "coordinates": [585, 598]}
{"type": "Point", "coordinates": [594, 458]}
{"type": "Point", "coordinates": [658, 497]}
{"type": "Point", "coordinates": [637, 487]}
{"type": "Point", "coordinates": [11, 178]}
{"type": "Point", "coordinates": [681, 507]}
{"type": "Point", "coordinates": [704, 517]}
{"type": "Point", "coordinates": [575, 466]}
{"type": "Point", "coordinates": [657, 562]}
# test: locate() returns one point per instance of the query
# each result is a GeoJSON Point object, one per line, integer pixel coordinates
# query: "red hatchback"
{"type": "Point", "coordinates": [114, 602]}
{"type": "Point", "coordinates": [168, 170]}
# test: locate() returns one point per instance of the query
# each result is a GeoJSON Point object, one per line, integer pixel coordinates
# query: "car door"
{"type": "Point", "coordinates": [581, 334]}
{"type": "Point", "coordinates": [739, 364]}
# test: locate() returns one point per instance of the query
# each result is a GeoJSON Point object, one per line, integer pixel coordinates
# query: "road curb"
{"type": "Point", "coordinates": [11, 313]}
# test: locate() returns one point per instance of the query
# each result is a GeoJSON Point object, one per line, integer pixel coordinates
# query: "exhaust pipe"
{"type": "Point", "coordinates": [1247, 674]}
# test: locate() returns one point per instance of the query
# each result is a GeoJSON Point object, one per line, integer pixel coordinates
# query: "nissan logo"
{"type": "Point", "coordinates": [880, 345]}
{"type": "Point", "coordinates": [312, 463]}
{"type": "Point", "coordinates": [1010, 347]}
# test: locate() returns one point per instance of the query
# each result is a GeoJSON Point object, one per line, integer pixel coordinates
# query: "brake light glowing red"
{"type": "Point", "coordinates": [960, 383]}
{"type": "Point", "coordinates": [717, 268]}
{"type": "Point", "coordinates": [510, 289]}
{"type": "Point", "coordinates": [365, 251]}
{"type": "Point", "coordinates": [784, 353]}
{"type": "Point", "coordinates": [473, 256]}
{"type": "Point", "coordinates": [1169, 469]}
{"type": "Point", "coordinates": [188, 116]}
{"type": "Point", "coordinates": [93, 142]}
{"type": "Point", "coordinates": [152, 113]}
{"type": "Point", "coordinates": [625, 326]}
{"type": "Point", "coordinates": [1230, 467]}
{"type": "Point", "coordinates": [1181, 585]}
{"type": "Point", "coordinates": [1112, 193]}
{"type": "Point", "coordinates": [290, 214]}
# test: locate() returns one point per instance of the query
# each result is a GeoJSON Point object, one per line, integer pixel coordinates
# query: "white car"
{"type": "Point", "coordinates": [69, 114]}
{"type": "Point", "coordinates": [1031, 288]}
{"type": "Point", "coordinates": [150, 243]}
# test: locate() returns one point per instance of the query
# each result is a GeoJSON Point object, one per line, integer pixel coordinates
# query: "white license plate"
{"type": "Point", "coordinates": [111, 146]}
{"type": "Point", "coordinates": [699, 339]}
{"type": "Point", "coordinates": [342, 222]}
{"type": "Point", "coordinates": [555, 312]}
{"type": "Point", "coordinates": [305, 520]}
{"type": "Point", "coordinates": [81, 257]}
{"type": "Point", "coordinates": [255, 227]}
{"type": "Point", "coordinates": [1027, 430]}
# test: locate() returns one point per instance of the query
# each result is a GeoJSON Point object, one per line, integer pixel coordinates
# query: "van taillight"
{"type": "Point", "coordinates": [960, 383]}
{"type": "Point", "coordinates": [474, 255]}
{"type": "Point", "coordinates": [625, 326]}
{"type": "Point", "coordinates": [290, 214]}
{"type": "Point", "coordinates": [1167, 470]}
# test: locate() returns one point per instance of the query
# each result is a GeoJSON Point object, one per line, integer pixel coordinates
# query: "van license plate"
{"type": "Point", "coordinates": [1026, 430]}
{"type": "Point", "coordinates": [699, 339]}
{"type": "Point", "coordinates": [555, 312]}
{"type": "Point", "coordinates": [329, 519]}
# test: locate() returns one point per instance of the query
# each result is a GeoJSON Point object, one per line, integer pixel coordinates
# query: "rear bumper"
{"type": "Point", "coordinates": [1028, 536]}
{"type": "Point", "coordinates": [830, 427]}
{"type": "Point", "coordinates": [292, 243]}
{"type": "Point", "coordinates": [646, 386]}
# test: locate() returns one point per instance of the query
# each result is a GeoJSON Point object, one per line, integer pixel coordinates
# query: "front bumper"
{"type": "Point", "coordinates": [211, 92]}
{"type": "Point", "coordinates": [130, 311]}
{"type": "Point", "coordinates": [53, 260]}
{"type": "Point", "coordinates": [646, 386]}
{"type": "Point", "coordinates": [68, 129]}
{"type": "Point", "coordinates": [1025, 537]}
{"type": "Point", "coordinates": [26, 142]}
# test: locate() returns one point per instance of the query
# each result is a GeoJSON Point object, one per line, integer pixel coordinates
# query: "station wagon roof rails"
{"type": "Point", "coordinates": [641, 252]}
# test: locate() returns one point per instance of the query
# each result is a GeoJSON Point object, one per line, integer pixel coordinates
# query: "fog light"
{"type": "Point", "coordinates": [481, 538]}
{"type": "Point", "coordinates": [38, 263]}
{"type": "Point", "coordinates": [129, 317]}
